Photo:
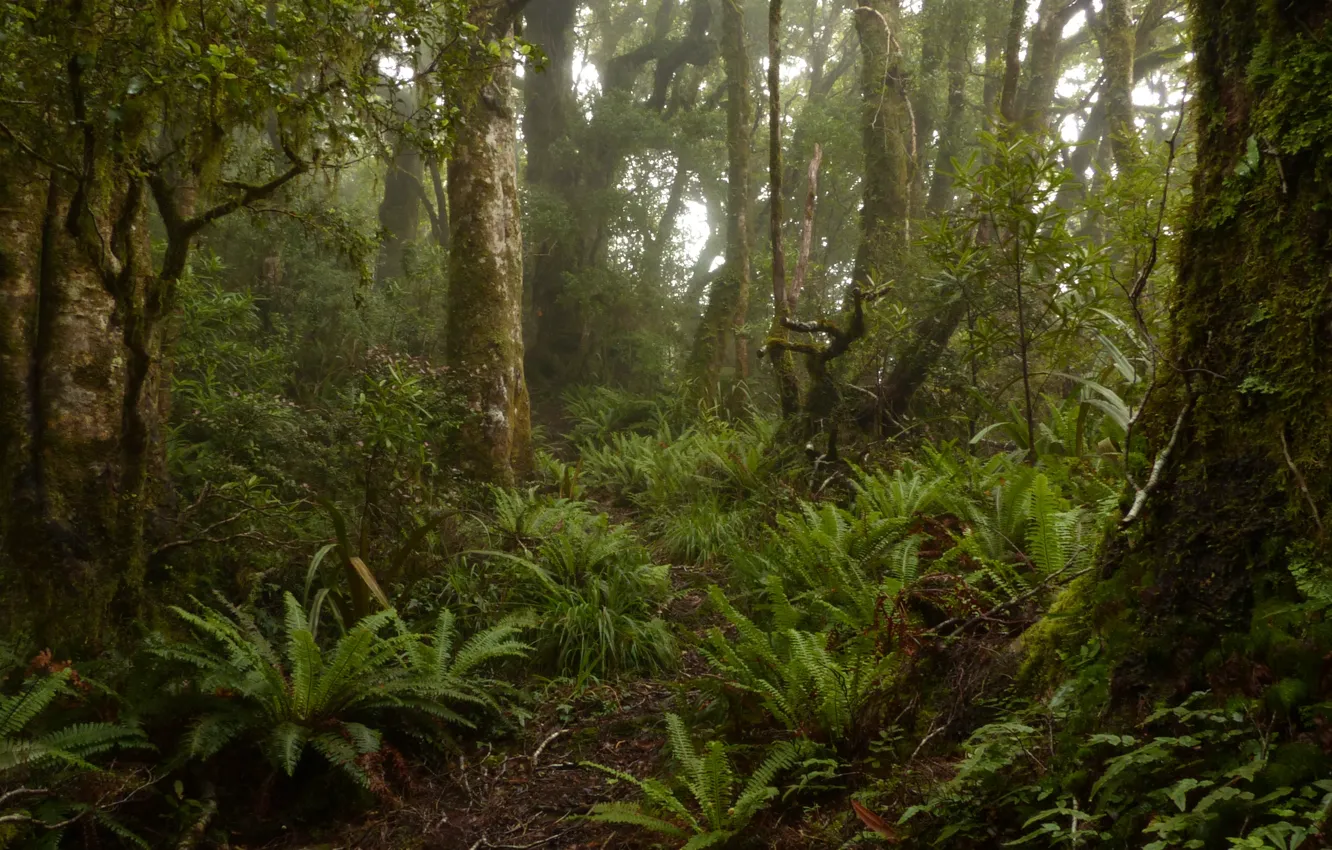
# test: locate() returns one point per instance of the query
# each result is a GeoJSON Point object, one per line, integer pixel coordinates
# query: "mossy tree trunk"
{"type": "Point", "coordinates": [1245, 490]}
{"type": "Point", "coordinates": [1115, 35]}
{"type": "Point", "coordinates": [81, 399]}
{"type": "Point", "coordinates": [886, 128]}
{"type": "Point", "coordinates": [960, 33]}
{"type": "Point", "coordinates": [717, 343]}
{"type": "Point", "coordinates": [788, 387]}
{"type": "Point", "coordinates": [485, 327]}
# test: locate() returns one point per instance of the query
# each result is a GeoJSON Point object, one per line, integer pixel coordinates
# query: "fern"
{"type": "Point", "coordinates": [712, 812]}
{"type": "Point", "coordinates": [325, 699]}
{"type": "Point", "coordinates": [43, 758]}
{"type": "Point", "coordinates": [803, 685]}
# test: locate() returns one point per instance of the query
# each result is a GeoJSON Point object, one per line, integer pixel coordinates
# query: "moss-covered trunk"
{"type": "Point", "coordinates": [1247, 487]}
{"type": "Point", "coordinates": [1116, 38]}
{"type": "Point", "coordinates": [788, 388]}
{"type": "Point", "coordinates": [485, 328]}
{"type": "Point", "coordinates": [717, 344]}
{"type": "Point", "coordinates": [886, 129]}
{"type": "Point", "coordinates": [81, 405]}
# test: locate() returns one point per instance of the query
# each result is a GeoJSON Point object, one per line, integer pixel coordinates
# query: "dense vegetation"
{"type": "Point", "coordinates": [665, 423]}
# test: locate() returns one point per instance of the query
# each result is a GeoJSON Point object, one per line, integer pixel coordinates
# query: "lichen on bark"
{"type": "Point", "coordinates": [485, 333]}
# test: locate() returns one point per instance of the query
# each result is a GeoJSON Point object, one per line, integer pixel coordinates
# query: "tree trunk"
{"type": "Point", "coordinates": [400, 211]}
{"type": "Point", "coordinates": [82, 400]}
{"type": "Point", "coordinates": [1043, 63]}
{"type": "Point", "coordinates": [1244, 490]}
{"type": "Point", "coordinates": [717, 344]}
{"type": "Point", "coordinates": [960, 32]}
{"type": "Point", "coordinates": [560, 250]}
{"type": "Point", "coordinates": [788, 387]}
{"type": "Point", "coordinates": [1116, 37]}
{"type": "Point", "coordinates": [886, 127]}
{"type": "Point", "coordinates": [485, 337]}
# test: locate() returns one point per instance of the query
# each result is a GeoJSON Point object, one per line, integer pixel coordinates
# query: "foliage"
{"type": "Point", "coordinates": [801, 682]}
{"type": "Point", "coordinates": [721, 809]}
{"type": "Point", "coordinates": [42, 761]}
{"type": "Point", "coordinates": [299, 695]}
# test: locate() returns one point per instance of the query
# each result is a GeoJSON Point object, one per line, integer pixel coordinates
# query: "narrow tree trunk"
{"type": "Point", "coordinates": [1243, 496]}
{"type": "Point", "coordinates": [399, 211]}
{"type": "Point", "coordinates": [886, 128]}
{"type": "Point", "coordinates": [788, 387]}
{"type": "Point", "coordinates": [960, 33]}
{"type": "Point", "coordinates": [717, 343]}
{"type": "Point", "coordinates": [485, 341]}
{"type": "Point", "coordinates": [1008, 89]}
{"type": "Point", "coordinates": [1116, 37]}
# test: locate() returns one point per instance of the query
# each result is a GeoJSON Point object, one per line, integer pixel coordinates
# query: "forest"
{"type": "Point", "coordinates": [665, 424]}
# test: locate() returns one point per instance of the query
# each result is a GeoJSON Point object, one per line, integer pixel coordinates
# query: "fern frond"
{"type": "Point", "coordinates": [631, 814]}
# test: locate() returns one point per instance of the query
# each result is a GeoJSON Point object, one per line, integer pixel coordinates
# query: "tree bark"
{"type": "Point", "coordinates": [788, 387]}
{"type": "Point", "coordinates": [961, 31]}
{"type": "Point", "coordinates": [717, 343]}
{"type": "Point", "coordinates": [1242, 492]}
{"type": "Point", "coordinates": [1116, 38]}
{"type": "Point", "coordinates": [485, 333]}
{"type": "Point", "coordinates": [560, 246]}
{"type": "Point", "coordinates": [81, 403]}
{"type": "Point", "coordinates": [886, 129]}
{"type": "Point", "coordinates": [399, 211]}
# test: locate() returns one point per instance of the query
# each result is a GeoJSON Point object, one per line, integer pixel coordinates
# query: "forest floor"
{"type": "Point", "coordinates": [530, 790]}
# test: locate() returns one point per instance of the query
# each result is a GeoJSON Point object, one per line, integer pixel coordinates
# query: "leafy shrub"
{"type": "Point", "coordinates": [709, 780]}
{"type": "Point", "coordinates": [1195, 775]}
{"type": "Point", "coordinates": [297, 696]}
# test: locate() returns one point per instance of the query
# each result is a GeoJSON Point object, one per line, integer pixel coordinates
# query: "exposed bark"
{"type": "Point", "coordinates": [1249, 353]}
{"type": "Point", "coordinates": [823, 396]}
{"type": "Point", "coordinates": [1043, 63]}
{"type": "Point", "coordinates": [887, 130]}
{"type": "Point", "coordinates": [995, 55]}
{"type": "Point", "coordinates": [718, 343]}
{"type": "Point", "coordinates": [1008, 90]}
{"type": "Point", "coordinates": [485, 341]}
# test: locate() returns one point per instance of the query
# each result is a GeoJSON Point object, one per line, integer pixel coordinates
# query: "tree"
{"type": "Point", "coordinates": [886, 127]}
{"type": "Point", "coordinates": [717, 340]}
{"type": "Point", "coordinates": [485, 324]}
{"type": "Point", "coordinates": [106, 108]}
{"type": "Point", "coordinates": [1233, 501]}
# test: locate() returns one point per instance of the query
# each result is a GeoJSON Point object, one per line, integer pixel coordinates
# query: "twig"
{"type": "Point", "coordinates": [1021, 597]}
{"type": "Point", "coordinates": [1154, 479]}
{"type": "Point", "coordinates": [1299, 479]}
{"type": "Point", "coordinates": [552, 736]}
